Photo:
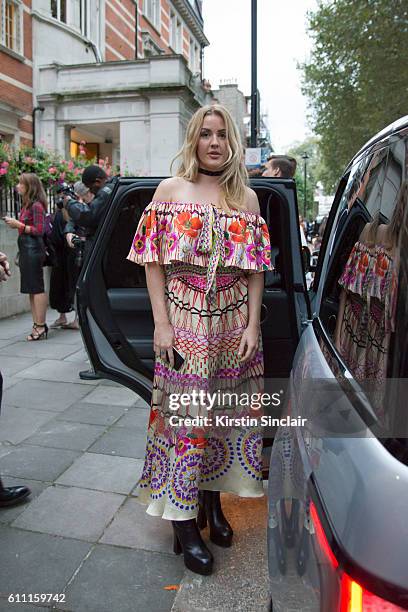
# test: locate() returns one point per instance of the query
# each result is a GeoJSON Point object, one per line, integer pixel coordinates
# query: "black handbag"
{"type": "Point", "coordinates": [50, 254]}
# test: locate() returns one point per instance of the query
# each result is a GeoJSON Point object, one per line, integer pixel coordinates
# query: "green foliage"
{"type": "Point", "coordinates": [49, 166]}
{"type": "Point", "coordinates": [356, 79]}
{"type": "Point", "coordinates": [314, 168]}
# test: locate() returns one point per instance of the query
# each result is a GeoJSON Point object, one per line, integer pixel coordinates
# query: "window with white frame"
{"type": "Point", "coordinates": [84, 18]}
{"type": "Point", "coordinates": [12, 25]}
{"type": "Point", "coordinates": [194, 56]}
{"type": "Point", "coordinates": [59, 10]}
{"type": "Point", "coordinates": [175, 32]}
{"type": "Point", "coordinates": [151, 9]}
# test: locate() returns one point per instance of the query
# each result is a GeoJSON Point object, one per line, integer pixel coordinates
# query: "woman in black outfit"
{"type": "Point", "coordinates": [31, 226]}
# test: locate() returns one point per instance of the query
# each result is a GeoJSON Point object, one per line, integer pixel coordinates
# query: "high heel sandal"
{"type": "Point", "coordinates": [210, 510]}
{"type": "Point", "coordinates": [187, 540]}
{"type": "Point", "coordinates": [39, 335]}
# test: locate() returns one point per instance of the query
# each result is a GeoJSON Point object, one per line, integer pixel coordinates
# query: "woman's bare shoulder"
{"type": "Point", "coordinates": [252, 203]}
{"type": "Point", "coordinates": [168, 188]}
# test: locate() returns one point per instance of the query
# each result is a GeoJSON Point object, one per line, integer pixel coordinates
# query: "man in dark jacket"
{"type": "Point", "coordinates": [88, 216]}
{"type": "Point", "coordinates": [9, 496]}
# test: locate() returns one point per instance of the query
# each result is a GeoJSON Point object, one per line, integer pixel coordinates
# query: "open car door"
{"type": "Point", "coordinates": [113, 301]}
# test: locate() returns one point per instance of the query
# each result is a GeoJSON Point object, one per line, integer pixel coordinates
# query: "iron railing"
{"type": "Point", "coordinates": [10, 201]}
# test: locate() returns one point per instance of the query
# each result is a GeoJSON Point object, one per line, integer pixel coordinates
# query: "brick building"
{"type": "Point", "coordinates": [16, 72]}
{"type": "Point", "coordinates": [125, 76]}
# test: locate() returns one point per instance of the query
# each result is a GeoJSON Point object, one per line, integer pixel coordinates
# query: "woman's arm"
{"type": "Point", "coordinates": [250, 338]}
{"type": "Point", "coordinates": [163, 338]}
{"type": "Point", "coordinates": [38, 226]}
{"type": "Point", "coordinates": [339, 320]}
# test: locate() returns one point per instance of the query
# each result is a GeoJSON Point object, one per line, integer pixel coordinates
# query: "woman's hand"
{"type": "Point", "coordinates": [249, 343]}
{"type": "Point", "coordinates": [12, 222]}
{"type": "Point", "coordinates": [163, 341]}
{"type": "Point", "coordinates": [69, 238]}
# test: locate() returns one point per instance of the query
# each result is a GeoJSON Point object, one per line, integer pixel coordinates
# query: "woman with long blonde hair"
{"type": "Point", "coordinates": [205, 248]}
{"type": "Point", "coordinates": [31, 248]}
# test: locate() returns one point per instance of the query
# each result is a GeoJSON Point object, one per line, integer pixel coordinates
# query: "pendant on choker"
{"type": "Point", "coordinates": [210, 172]}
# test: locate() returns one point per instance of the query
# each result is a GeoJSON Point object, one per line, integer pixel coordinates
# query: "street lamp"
{"type": "Point", "coordinates": [305, 157]}
{"type": "Point", "coordinates": [254, 85]}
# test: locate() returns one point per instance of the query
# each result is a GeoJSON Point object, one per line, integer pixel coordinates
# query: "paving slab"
{"type": "Point", "coordinates": [36, 562]}
{"type": "Point", "coordinates": [133, 528]}
{"type": "Point", "coordinates": [93, 414]}
{"type": "Point", "coordinates": [103, 473]}
{"type": "Point", "coordinates": [45, 395]}
{"type": "Point", "coordinates": [37, 462]}
{"type": "Point", "coordinates": [121, 441]}
{"type": "Point", "coordinates": [240, 580]}
{"type": "Point", "coordinates": [66, 336]}
{"type": "Point", "coordinates": [38, 350]}
{"type": "Point", "coordinates": [5, 606]}
{"type": "Point", "coordinates": [117, 396]}
{"type": "Point", "coordinates": [17, 424]}
{"type": "Point", "coordinates": [71, 512]}
{"type": "Point", "coordinates": [7, 515]}
{"type": "Point", "coordinates": [9, 341]}
{"type": "Point", "coordinates": [121, 580]}
{"type": "Point", "coordinates": [62, 434]}
{"type": "Point", "coordinates": [57, 371]}
{"type": "Point", "coordinates": [15, 365]}
{"type": "Point", "coordinates": [80, 356]}
{"type": "Point", "coordinates": [135, 418]}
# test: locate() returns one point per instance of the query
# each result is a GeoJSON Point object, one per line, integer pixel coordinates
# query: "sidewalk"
{"type": "Point", "coordinates": [79, 446]}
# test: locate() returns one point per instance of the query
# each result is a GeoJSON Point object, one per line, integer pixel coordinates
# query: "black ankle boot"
{"type": "Point", "coordinates": [11, 496]}
{"type": "Point", "coordinates": [210, 510]}
{"type": "Point", "coordinates": [187, 540]}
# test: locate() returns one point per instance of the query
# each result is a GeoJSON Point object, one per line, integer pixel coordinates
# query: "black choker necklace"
{"type": "Point", "coordinates": [210, 172]}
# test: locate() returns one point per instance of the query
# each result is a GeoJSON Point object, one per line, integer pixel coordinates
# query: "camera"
{"type": "Point", "coordinates": [78, 245]}
{"type": "Point", "coordinates": [64, 189]}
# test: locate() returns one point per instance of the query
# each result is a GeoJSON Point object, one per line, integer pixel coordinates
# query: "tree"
{"type": "Point", "coordinates": [356, 79]}
{"type": "Point", "coordinates": [314, 169]}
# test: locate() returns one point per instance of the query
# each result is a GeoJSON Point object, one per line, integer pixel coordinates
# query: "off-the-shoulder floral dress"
{"type": "Point", "coordinates": [207, 255]}
{"type": "Point", "coordinates": [371, 281]}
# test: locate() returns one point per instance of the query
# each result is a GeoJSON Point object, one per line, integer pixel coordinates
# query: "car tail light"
{"type": "Point", "coordinates": [352, 597]}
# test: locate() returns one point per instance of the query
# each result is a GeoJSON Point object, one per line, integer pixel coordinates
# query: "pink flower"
{"type": "Point", "coordinates": [164, 226]}
{"type": "Point", "coordinates": [3, 171]}
{"type": "Point", "coordinates": [266, 255]}
{"type": "Point", "coordinates": [70, 165]}
{"type": "Point", "coordinates": [154, 242]}
{"type": "Point", "coordinates": [229, 249]}
{"type": "Point", "coordinates": [172, 241]}
{"type": "Point", "coordinates": [77, 171]}
{"type": "Point", "coordinates": [5, 164]}
{"type": "Point", "coordinates": [251, 252]}
{"type": "Point", "coordinates": [52, 170]}
{"type": "Point", "coordinates": [182, 445]}
{"type": "Point", "coordinates": [62, 176]}
{"type": "Point", "coordinates": [139, 244]}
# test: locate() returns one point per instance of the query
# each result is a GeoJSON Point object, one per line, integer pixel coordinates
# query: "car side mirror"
{"type": "Point", "coordinates": [306, 258]}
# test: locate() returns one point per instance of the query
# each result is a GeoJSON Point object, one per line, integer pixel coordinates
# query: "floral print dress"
{"type": "Point", "coordinates": [207, 256]}
{"type": "Point", "coordinates": [370, 280]}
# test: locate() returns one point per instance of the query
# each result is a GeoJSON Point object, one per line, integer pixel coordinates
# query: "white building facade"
{"type": "Point", "coordinates": [125, 77]}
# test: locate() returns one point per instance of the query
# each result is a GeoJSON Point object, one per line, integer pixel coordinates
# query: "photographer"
{"type": "Point", "coordinates": [88, 217]}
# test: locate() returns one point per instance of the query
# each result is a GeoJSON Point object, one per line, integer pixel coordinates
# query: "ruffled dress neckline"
{"type": "Point", "coordinates": [203, 235]}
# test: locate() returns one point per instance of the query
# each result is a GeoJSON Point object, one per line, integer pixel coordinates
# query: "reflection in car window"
{"type": "Point", "coordinates": [369, 282]}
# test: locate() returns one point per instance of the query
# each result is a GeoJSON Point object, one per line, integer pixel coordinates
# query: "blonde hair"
{"type": "Point", "coordinates": [234, 177]}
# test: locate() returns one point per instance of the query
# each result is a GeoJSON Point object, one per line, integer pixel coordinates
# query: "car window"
{"type": "Point", "coordinates": [119, 273]}
{"type": "Point", "coordinates": [363, 309]}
